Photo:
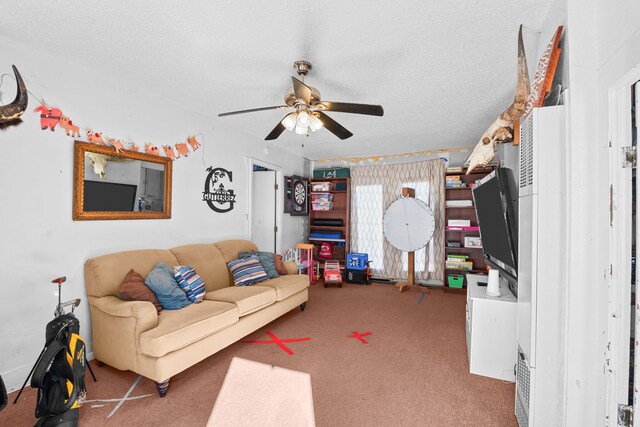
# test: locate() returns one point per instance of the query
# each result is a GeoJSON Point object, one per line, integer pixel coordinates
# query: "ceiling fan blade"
{"type": "Point", "coordinates": [230, 113]}
{"type": "Point", "coordinates": [301, 90]}
{"type": "Point", "coordinates": [346, 107]}
{"type": "Point", "coordinates": [332, 126]}
{"type": "Point", "coordinates": [276, 132]}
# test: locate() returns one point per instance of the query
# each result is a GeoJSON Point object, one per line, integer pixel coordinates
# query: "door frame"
{"type": "Point", "coordinates": [620, 239]}
{"type": "Point", "coordinates": [250, 161]}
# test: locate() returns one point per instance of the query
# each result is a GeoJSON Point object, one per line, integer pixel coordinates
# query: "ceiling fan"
{"type": "Point", "coordinates": [309, 109]}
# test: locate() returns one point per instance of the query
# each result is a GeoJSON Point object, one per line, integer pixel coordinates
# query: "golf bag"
{"type": "Point", "coordinates": [59, 374]}
{"type": "Point", "coordinates": [3, 394]}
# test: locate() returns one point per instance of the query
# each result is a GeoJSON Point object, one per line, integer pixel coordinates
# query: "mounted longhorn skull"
{"type": "Point", "coordinates": [502, 129]}
{"type": "Point", "coordinates": [10, 113]}
{"type": "Point", "coordinates": [99, 163]}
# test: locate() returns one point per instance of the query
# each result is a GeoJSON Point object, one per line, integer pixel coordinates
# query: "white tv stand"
{"type": "Point", "coordinates": [491, 330]}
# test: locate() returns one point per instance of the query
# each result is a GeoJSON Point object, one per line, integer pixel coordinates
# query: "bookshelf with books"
{"type": "Point", "coordinates": [463, 249]}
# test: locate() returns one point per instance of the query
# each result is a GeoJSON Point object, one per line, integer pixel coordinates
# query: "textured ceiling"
{"type": "Point", "coordinates": [442, 70]}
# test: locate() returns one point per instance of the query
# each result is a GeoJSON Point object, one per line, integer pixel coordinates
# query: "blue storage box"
{"type": "Point", "coordinates": [357, 261]}
{"type": "Point", "coordinates": [325, 235]}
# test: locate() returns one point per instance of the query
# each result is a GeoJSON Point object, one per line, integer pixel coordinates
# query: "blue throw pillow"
{"type": "Point", "coordinates": [190, 282]}
{"type": "Point", "coordinates": [247, 271]}
{"type": "Point", "coordinates": [162, 282]}
{"type": "Point", "coordinates": [266, 259]}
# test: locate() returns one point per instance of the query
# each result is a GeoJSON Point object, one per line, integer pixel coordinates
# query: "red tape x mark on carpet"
{"type": "Point", "coordinates": [278, 341]}
{"type": "Point", "coordinates": [361, 336]}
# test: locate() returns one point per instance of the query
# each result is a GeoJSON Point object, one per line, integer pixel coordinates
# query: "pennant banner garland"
{"type": "Point", "coordinates": [51, 117]}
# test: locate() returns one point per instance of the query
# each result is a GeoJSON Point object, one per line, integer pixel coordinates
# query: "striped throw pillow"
{"type": "Point", "coordinates": [247, 271]}
{"type": "Point", "coordinates": [190, 282]}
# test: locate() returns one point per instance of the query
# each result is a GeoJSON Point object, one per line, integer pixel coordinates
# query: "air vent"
{"type": "Point", "coordinates": [526, 152]}
{"type": "Point", "coordinates": [523, 375]}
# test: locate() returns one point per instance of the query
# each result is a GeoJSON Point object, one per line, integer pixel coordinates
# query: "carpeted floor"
{"type": "Point", "coordinates": [412, 372]}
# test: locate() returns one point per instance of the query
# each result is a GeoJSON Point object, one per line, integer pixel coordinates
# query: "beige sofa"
{"type": "Point", "coordinates": [131, 335]}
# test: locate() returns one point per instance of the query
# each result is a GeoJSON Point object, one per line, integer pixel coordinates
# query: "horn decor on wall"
{"type": "Point", "coordinates": [501, 130]}
{"type": "Point", "coordinates": [10, 113]}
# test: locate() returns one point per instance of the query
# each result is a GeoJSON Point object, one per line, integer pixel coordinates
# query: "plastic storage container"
{"type": "Point", "coordinates": [321, 206]}
{"type": "Point", "coordinates": [321, 186]}
{"type": "Point", "coordinates": [455, 280]}
{"type": "Point", "coordinates": [322, 197]}
{"type": "Point", "coordinates": [357, 261]}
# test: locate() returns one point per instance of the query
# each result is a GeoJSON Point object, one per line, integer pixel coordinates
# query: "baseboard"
{"type": "Point", "coordinates": [14, 378]}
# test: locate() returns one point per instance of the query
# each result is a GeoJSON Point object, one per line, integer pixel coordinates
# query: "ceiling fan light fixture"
{"type": "Point", "coordinates": [303, 119]}
{"type": "Point", "coordinates": [301, 130]}
{"type": "Point", "coordinates": [290, 121]}
{"type": "Point", "coordinates": [315, 123]}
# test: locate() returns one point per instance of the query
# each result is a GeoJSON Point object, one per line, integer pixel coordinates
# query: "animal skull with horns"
{"type": "Point", "coordinates": [10, 113]}
{"type": "Point", "coordinates": [501, 130]}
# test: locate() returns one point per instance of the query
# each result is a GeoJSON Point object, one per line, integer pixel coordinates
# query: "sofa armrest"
{"type": "Point", "coordinates": [117, 326]}
{"type": "Point", "coordinates": [113, 306]}
{"type": "Point", "coordinates": [292, 267]}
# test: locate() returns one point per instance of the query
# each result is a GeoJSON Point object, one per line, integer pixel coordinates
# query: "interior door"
{"type": "Point", "coordinates": [263, 213]}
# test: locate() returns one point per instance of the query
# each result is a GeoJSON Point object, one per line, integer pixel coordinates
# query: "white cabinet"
{"type": "Point", "coordinates": [491, 330]}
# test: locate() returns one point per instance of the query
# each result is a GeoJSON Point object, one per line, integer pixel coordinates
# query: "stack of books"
{"type": "Point", "coordinates": [458, 262]}
{"type": "Point", "coordinates": [458, 227]}
{"type": "Point", "coordinates": [455, 169]}
{"type": "Point", "coordinates": [454, 181]}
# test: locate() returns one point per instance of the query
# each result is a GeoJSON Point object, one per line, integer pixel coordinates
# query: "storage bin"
{"type": "Point", "coordinates": [332, 173]}
{"type": "Point", "coordinates": [321, 206]}
{"type": "Point", "coordinates": [356, 261]}
{"type": "Point", "coordinates": [325, 235]}
{"type": "Point", "coordinates": [358, 277]}
{"type": "Point", "coordinates": [322, 197]}
{"type": "Point", "coordinates": [455, 280]}
{"type": "Point", "coordinates": [321, 186]}
{"type": "Point", "coordinates": [338, 252]}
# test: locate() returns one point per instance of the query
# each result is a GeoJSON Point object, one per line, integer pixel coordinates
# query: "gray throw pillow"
{"type": "Point", "coordinates": [266, 259]}
{"type": "Point", "coordinates": [163, 283]}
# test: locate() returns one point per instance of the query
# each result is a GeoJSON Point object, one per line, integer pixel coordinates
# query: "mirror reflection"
{"type": "Point", "coordinates": [117, 184]}
{"type": "Point", "coordinates": [124, 185]}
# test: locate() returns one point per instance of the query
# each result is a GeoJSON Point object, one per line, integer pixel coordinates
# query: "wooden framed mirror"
{"type": "Point", "coordinates": [125, 185]}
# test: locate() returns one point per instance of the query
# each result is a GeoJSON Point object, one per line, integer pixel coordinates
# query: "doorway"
{"type": "Point", "coordinates": [622, 359]}
{"type": "Point", "coordinates": [264, 217]}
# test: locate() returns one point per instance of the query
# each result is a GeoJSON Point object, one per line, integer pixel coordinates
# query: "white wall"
{"type": "Point", "coordinates": [618, 52]}
{"type": "Point", "coordinates": [38, 239]}
{"type": "Point", "coordinates": [605, 45]}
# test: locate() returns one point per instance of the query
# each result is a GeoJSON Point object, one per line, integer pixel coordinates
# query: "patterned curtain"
{"type": "Point", "coordinates": [373, 189]}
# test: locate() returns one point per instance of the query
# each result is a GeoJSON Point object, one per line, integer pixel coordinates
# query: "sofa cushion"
{"type": "Point", "coordinates": [163, 283]}
{"type": "Point", "coordinates": [247, 271]}
{"type": "Point", "coordinates": [208, 261]}
{"type": "Point", "coordinates": [179, 328]}
{"type": "Point", "coordinates": [280, 267]}
{"type": "Point", "coordinates": [285, 286]}
{"type": "Point", "coordinates": [231, 248]}
{"type": "Point", "coordinates": [248, 298]}
{"type": "Point", "coordinates": [190, 282]}
{"type": "Point", "coordinates": [266, 259]}
{"type": "Point", "coordinates": [133, 288]}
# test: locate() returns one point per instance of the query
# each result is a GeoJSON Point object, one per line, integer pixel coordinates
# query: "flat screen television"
{"type": "Point", "coordinates": [109, 197]}
{"type": "Point", "coordinates": [495, 198]}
